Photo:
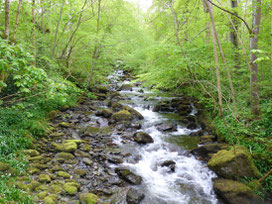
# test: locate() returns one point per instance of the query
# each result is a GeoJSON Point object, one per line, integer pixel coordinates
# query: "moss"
{"type": "Point", "coordinates": [48, 200]}
{"type": "Point", "coordinates": [44, 178]}
{"type": "Point", "coordinates": [122, 115]}
{"type": "Point", "coordinates": [64, 174]}
{"type": "Point", "coordinates": [65, 146]}
{"type": "Point", "coordinates": [35, 184]}
{"type": "Point", "coordinates": [4, 167]}
{"type": "Point", "coordinates": [80, 172]}
{"type": "Point", "coordinates": [225, 163]}
{"type": "Point", "coordinates": [86, 148]}
{"type": "Point", "coordinates": [56, 188]}
{"type": "Point", "coordinates": [36, 158]}
{"type": "Point", "coordinates": [65, 125]}
{"type": "Point", "coordinates": [52, 114]}
{"type": "Point", "coordinates": [32, 171]}
{"type": "Point", "coordinates": [70, 188]}
{"type": "Point", "coordinates": [65, 155]}
{"type": "Point", "coordinates": [88, 198]}
{"type": "Point", "coordinates": [31, 152]}
{"type": "Point", "coordinates": [57, 134]}
{"type": "Point", "coordinates": [42, 188]}
{"type": "Point", "coordinates": [26, 187]}
{"type": "Point", "coordinates": [42, 195]}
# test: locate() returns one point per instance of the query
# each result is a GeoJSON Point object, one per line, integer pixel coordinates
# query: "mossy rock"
{"type": "Point", "coordinates": [42, 188]}
{"type": "Point", "coordinates": [70, 188]}
{"type": "Point", "coordinates": [44, 178]}
{"type": "Point", "coordinates": [56, 188]}
{"type": "Point", "coordinates": [234, 192]}
{"type": "Point", "coordinates": [42, 194]}
{"type": "Point", "coordinates": [48, 200]}
{"type": "Point", "coordinates": [31, 152]}
{"type": "Point", "coordinates": [123, 115]}
{"type": "Point", "coordinates": [35, 184]}
{"type": "Point", "coordinates": [56, 134]}
{"type": "Point", "coordinates": [88, 198]}
{"type": "Point", "coordinates": [52, 114]}
{"type": "Point", "coordinates": [126, 87]}
{"type": "Point", "coordinates": [64, 174]}
{"type": "Point", "coordinates": [36, 158]}
{"type": "Point", "coordinates": [227, 164]}
{"type": "Point", "coordinates": [80, 172]}
{"type": "Point", "coordinates": [24, 186]}
{"type": "Point", "coordinates": [69, 147]}
{"type": "Point", "coordinates": [65, 155]}
{"type": "Point", "coordinates": [135, 114]}
{"type": "Point", "coordinates": [65, 125]}
{"type": "Point", "coordinates": [106, 113]}
{"type": "Point", "coordinates": [86, 148]}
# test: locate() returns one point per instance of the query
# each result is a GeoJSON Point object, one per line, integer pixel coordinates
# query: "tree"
{"type": "Point", "coordinates": [254, 90]}
{"type": "Point", "coordinates": [7, 19]}
{"type": "Point", "coordinates": [17, 20]}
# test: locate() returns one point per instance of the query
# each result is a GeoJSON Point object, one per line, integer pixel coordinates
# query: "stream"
{"type": "Point", "coordinates": [190, 181]}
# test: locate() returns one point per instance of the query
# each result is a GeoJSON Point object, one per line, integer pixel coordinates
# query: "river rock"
{"type": "Point", "coordinates": [163, 106]}
{"type": "Point", "coordinates": [134, 196]}
{"type": "Point", "coordinates": [126, 87]}
{"type": "Point", "coordinates": [142, 138]}
{"type": "Point", "coordinates": [88, 198]}
{"type": "Point", "coordinates": [115, 160]}
{"type": "Point", "coordinates": [166, 127]}
{"type": "Point", "coordinates": [234, 192]}
{"type": "Point", "coordinates": [115, 106]}
{"type": "Point", "coordinates": [169, 163]}
{"type": "Point", "coordinates": [128, 176]}
{"type": "Point", "coordinates": [66, 146]}
{"type": "Point", "coordinates": [225, 163]}
{"type": "Point", "coordinates": [135, 114]}
{"type": "Point", "coordinates": [123, 115]}
{"type": "Point", "coordinates": [204, 152]}
{"type": "Point", "coordinates": [105, 113]}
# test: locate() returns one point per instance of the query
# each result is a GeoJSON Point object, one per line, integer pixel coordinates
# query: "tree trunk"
{"type": "Point", "coordinates": [233, 34]}
{"type": "Point", "coordinates": [17, 21]}
{"type": "Point", "coordinates": [7, 19]}
{"type": "Point", "coordinates": [96, 47]}
{"type": "Point", "coordinates": [208, 32]}
{"type": "Point", "coordinates": [254, 91]}
{"type": "Point", "coordinates": [74, 32]}
{"type": "Point", "coordinates": [34, 33]}
{"type": "Point", "coordinates": [216, 60]}
{"type": "Point", "coordinates": [57, 30]}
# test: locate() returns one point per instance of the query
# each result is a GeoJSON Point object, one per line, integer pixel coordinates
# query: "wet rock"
{"type": "Point", "coordinates": [135, 114]}
{"type": "Point", "coordinates": [204, 152]}
{"type": "Point", "coordinates": [87, 161]}
{"type": "Point", "coordinates": [226, 162]}
{"type": "Point", "coordinates": [115, 160]}
{"type": "Point", "coordinates": [234, 192]}
{"type": "Point", "coordinates": [99, 89]}
{"type": "Point", "coordinates": [167, 127]}
{"type": "Point", "coordinates": [115, 106]}
{"type": "Point", "coordinates": [207, 139]}
{"type": "Point", "coordinates": [105, 113]}
{"type": "Point", "coordinates": [123, 115]}
{"type": "Point", "coordinates": [44, 178]}
{"type": "Point", "coordinates": [128, 176]}
{"type": "Point", "coordinates": [88, 198]}
{"type": "Point", "coordinates": [191, 126]}
{"type": "Point", "coordinates": [134, 196]}
{"type": "Point", "coordinates": [163, 106]}
{"type": "Point", "coordinates": [169, 163]}
{"type": "Point", "coordinates": [126, 87]}
{"type": "Point", "coordinates": [142, 138]}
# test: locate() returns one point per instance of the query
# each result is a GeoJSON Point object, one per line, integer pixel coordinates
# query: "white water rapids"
{"type": "Point", "coordinates": [190, 183]}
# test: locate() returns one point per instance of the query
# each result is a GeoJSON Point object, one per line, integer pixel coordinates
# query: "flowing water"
{"type": "Point", "coordinates": [191, 182]}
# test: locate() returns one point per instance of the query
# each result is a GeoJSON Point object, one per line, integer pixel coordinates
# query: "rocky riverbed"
{"type": "Point", "coordinates": [130, 146]}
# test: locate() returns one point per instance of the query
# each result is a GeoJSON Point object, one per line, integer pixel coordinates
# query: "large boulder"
{"type": "Point", "coordinates": [206, 151]}
{"type": "Point", "coordinates": [135, 114]}
{"type": "Point", "coordinates": [123, 115]}
{"type": "Point", "coordinates": [128, 176]}
{"type": "Point", "coordinates": [234, 192]}
{"type": "Point", "coordinates": [134, 196]}
{"type": "Point", "coordinates": [228, 163]}
{"type": "Point", "coordinates": [142, 138]}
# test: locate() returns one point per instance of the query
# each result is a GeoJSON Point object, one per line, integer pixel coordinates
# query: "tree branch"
{"type": "Point", "coordinates": [234, 14]}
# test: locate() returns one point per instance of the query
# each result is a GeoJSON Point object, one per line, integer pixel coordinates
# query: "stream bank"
{"type": "Point", "coordinates": [130, 146]}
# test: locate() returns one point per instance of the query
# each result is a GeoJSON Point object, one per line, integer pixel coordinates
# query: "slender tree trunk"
{"type": "Point", "coordinates": [223, 57]}
{"type": "Point", "coordinates": [271, 44]}
{"type": "Point", "coordinates": [34, 33]}
{"type": "Point", "coordinates": [233, 34]}
{"type": "Point", "coordinates": [216, 60]}
{"type": "Point", "coordinates": [57, 29]}
{"type": "Point", "coordinates": [96, 47]}
{"type": "Point", "coordinates": [17, 20]}
{"type": "Point", "coordinates": [208, 32]}
{"type": "Point", "coordinates": [254, 91]}
{"type": "Point", "coordinates": [74, 32]}
{"type": "Point", "coordinates": [7, 19]}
